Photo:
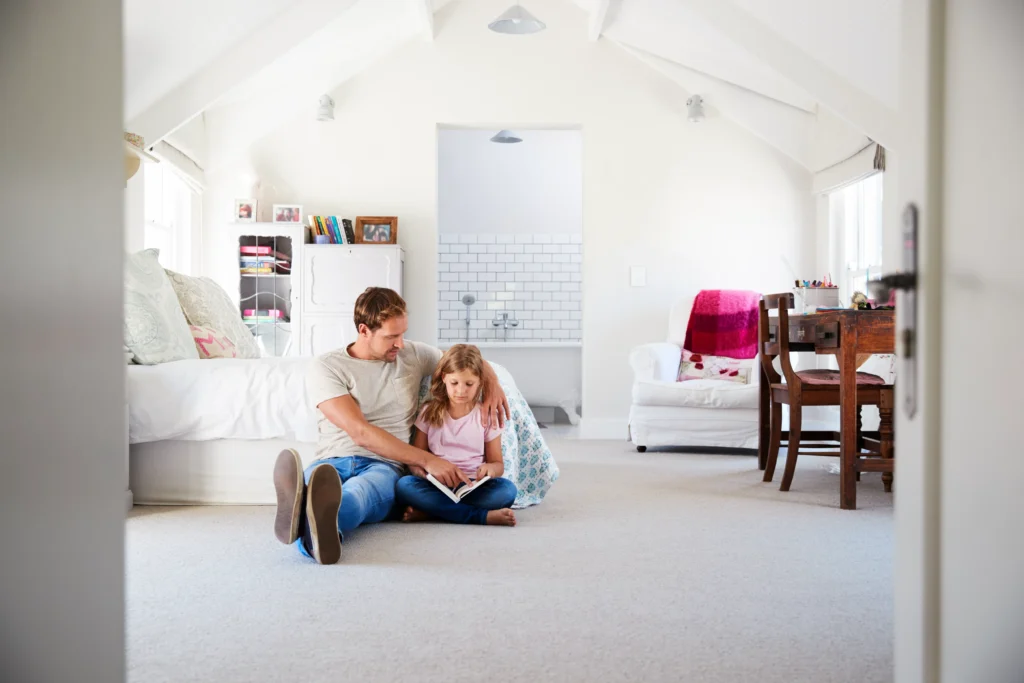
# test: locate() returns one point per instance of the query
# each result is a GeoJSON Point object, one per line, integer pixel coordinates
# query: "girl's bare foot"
{"type": "Point", "coordinates": [414, 515]}
{"type": "Point", "coordinates": [503, 517]}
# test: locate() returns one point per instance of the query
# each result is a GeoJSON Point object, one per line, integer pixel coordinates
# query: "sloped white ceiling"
{"type": "Point", "coordinates": [859, 39]}
{"type": "Point", "coordinates": [167, 41]}
{"type": "Point", "coordinates": [672, 31]}
{"type": "Point", "coordinates": [172, 45]}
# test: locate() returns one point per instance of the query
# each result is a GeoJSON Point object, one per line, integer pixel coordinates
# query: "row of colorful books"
{"type": "Point", "coordinates": [337, 230]}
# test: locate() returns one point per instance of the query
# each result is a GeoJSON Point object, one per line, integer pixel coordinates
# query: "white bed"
{"type": "Point", "coordinates": [207, 431]}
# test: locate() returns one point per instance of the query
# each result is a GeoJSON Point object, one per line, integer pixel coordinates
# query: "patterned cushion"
{"type": "Point", "coordinates": [206, 304]}
{"type": "Point", "coordinates": [832, 377]}
{"type": "Point", "coordinates": [154, 327]}
{"type": "Point", "coordinates": [212, 344]}
{"type": "Point", "coordinates": [702, 366]}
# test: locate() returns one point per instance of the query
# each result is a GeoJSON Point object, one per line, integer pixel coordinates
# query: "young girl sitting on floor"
{"type": "Point", "coordinates": [450, 427]}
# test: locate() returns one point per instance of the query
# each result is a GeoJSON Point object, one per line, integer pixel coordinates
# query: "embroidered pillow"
{"type": "Point", "coordinates": [702, 366]}
{"type": "Point", "coordinates": [154, 327]}
{"type": "Point", "coordinates": [206, 304]}
{"type": "Point", "coordinates": [212, 344]}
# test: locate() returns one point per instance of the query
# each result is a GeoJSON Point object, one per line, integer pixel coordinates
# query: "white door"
{"type": "Point", "coordinates": [982, 478]}
{"type": "Point", "coordinates": [960, 460]}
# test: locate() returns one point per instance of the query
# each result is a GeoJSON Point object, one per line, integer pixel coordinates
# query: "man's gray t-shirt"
{"type": "Point", "coordinates": [387, 394]}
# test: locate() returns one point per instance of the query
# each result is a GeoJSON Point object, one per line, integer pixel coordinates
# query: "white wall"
{"type": "Point", "coordinates": [533, 186]}
{"type": "Point", "coordinates": [62, 455]}
{"type": "Point", "coordinates": [700, 206]}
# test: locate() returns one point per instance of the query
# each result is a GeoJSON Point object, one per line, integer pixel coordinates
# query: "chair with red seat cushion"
{"type": "Point", "coordinates": [804, 388]}
{"type": "Point", "coordinates": [832, 377]}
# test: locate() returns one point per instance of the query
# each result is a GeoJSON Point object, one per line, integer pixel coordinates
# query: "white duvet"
{"type": "Point", "coordinates": [200, 400]}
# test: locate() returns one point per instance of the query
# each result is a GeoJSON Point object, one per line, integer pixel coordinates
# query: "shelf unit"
{"type": "Point", "coordinates": [276, 247]}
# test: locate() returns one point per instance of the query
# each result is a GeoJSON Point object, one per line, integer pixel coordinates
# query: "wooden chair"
{"type": "Point", "coordinates": [815, 388]}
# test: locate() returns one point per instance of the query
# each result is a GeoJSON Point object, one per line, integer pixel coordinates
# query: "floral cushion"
{"type": "Point", "coordinates": [528, 461]}
{"type": "Point", "coordinates": [154, 327]}
{"type": "Point", "coordinates": [206, 304]}
{"type": "Point", "coordinates": [702, 366]}
{"type": "Point", "coordinates": [212, 344]}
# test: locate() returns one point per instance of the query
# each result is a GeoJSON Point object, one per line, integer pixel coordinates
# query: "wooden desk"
{"type": "Point", "coordinates": [844, 334]}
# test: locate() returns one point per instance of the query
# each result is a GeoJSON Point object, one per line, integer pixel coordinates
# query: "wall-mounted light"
{"type": "Point", "coordinates": [695, 108]}
{"type": "Point", "coordinates": [516, 21]}
{"type": "Point", "coordinates": [325, 112]}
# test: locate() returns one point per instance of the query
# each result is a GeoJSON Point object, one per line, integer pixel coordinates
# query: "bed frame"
{"type": "Point", "coordinates": [218, 472]}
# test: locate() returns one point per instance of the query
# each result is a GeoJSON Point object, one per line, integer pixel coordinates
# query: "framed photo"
{"type": "Point", "coordinates": [245, 210]}
{"type": "Point", "coordinates": [376, 230]}
{"type": "Point", "coordinates": [287, 213]}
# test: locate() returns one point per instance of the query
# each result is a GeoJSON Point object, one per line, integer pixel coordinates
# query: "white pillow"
{"type": "Point", "coordinates": [154, 326]}
{"type": "Point", "coordinates": [206, 304]}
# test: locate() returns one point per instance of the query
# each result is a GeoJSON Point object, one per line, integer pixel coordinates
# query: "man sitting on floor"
{"type": "Point", "coordinates": [367, 395]}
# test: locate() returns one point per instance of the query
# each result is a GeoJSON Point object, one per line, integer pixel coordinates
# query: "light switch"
{"type": "Point", "coordinates": [637, 276]}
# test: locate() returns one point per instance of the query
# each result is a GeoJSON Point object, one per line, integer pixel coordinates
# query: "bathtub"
{"type": "Point", "coordinates": [549, 374]}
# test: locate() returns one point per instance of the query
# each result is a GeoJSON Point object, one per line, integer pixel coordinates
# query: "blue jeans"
{"type": "Point", "coordinates": [367, 491]}
{"type": "Point", "coordinates": [425, 497]}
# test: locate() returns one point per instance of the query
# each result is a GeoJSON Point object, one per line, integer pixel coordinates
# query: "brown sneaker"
{"type": "Point", "coordinates": [323, 498]}
{"type": "Point", "coordinates": [289, 485]}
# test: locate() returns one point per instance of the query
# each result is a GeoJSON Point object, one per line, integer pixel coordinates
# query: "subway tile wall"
{"type": "Point", "coordinates": [536, 279]}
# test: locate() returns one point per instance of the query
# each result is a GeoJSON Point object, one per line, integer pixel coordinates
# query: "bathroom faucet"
{"type": "Point", "coordinates": [504, 322]}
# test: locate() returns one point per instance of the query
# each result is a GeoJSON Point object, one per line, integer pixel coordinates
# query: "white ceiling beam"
{"type": "Point", "coordinates": [852, 104]}
{"type": "Point", "coordinates": [598, 16]}
{"type": "Point", "coordinates": [426, 9]}
{"type": "Point", "coordinates": [246, 58]}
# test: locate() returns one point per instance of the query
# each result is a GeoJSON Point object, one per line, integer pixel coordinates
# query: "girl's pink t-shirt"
{"type": "Point", "coordinates": [460, 442]}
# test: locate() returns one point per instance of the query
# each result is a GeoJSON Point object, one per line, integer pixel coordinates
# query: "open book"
{"type": "Point", "coordinates": [460, 491]}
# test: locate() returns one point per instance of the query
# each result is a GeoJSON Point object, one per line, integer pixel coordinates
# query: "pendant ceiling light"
{"type": "Point", "coordinates": [506, 136]}
{"type": "Point", "coordinates": [516, 21]}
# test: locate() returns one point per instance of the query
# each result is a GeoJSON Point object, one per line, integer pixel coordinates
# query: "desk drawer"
{"type": "Point", "coordinates": [826, 335]}
{"type": "Point", "coordinates": [802, 332]}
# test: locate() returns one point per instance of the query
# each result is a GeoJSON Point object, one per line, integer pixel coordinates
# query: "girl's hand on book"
{"type": "Point", "coordinates": [445, 472]}
{"type": "Point", "coordinates": [490, 469]}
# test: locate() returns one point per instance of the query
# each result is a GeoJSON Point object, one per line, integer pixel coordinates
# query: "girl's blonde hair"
{"type": "Point", "coordinates": [457, 358]}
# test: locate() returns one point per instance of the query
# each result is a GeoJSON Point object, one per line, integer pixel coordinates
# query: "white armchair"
{"type": "Point", "coordinates": [705, 412]}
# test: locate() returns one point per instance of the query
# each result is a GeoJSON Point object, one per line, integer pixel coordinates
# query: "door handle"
{"type": "Point", "coordinates": [906, 282]}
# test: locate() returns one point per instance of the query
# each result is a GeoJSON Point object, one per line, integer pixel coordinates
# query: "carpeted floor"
{"type": "Point", "coordinates": [654, 567]}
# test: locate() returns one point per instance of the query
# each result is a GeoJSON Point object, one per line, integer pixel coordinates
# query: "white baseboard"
{"type": "Point", "coordinates": [129, 500]}
{"type": "Point", "coordinates": [604, 428]}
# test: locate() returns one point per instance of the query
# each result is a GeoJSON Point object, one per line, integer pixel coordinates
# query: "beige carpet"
{"type": "Point", "coordinates": [654, 567]}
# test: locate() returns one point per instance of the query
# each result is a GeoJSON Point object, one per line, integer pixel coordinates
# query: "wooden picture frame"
{"type": "Point", "coordinates": [376, 230]}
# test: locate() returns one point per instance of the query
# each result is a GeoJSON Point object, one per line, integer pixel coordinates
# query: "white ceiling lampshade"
{"type": "Point", "coordinates": [516, 21]}
{"type": "Point", "coordinates": [695, 108]}
{"type": "Point", "coordinates": [506, 136]}
{"type": "Point", "coordinates": [325, 112]}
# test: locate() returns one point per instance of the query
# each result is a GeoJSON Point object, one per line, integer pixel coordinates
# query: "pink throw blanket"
{"type": "Point", "coordinates": [723, 322]}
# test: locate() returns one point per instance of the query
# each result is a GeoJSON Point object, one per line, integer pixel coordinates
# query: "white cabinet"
{"type": "Point", "coordinates": [333, 277]}
{"type": "Point", "coordinates": [323, 333]}
{"type": "Point", "coordinates": [336, 274]}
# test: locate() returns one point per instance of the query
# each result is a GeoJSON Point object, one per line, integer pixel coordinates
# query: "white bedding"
{"type": "Point", "coordinates": [227, 398]}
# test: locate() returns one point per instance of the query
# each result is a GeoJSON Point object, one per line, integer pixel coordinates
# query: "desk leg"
{"type": "Point", "coordinates": [763, 415]}
{"type": "Point", "coordinates": [847, 418]}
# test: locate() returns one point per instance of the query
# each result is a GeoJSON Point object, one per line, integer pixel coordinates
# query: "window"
{"type": "Point", "coordinates": [170, 222]}
{"type": "Point", "coordinates": [855, 217]}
